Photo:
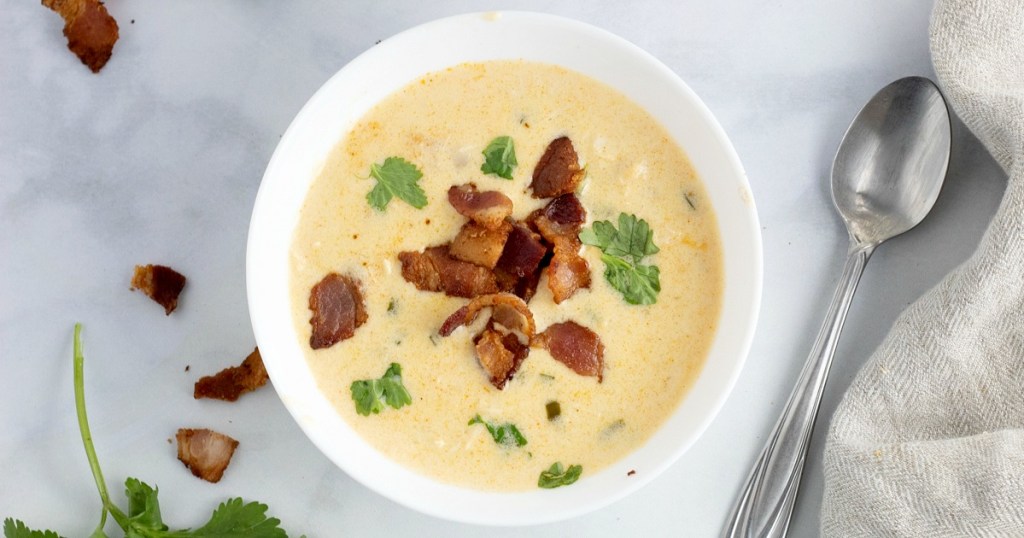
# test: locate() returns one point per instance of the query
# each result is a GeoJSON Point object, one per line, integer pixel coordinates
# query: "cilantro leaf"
{"type": "Point", "coordinates": [555, 476]}
{"type": "Point", "coordinates": [143, 506]}
{"type": "Point", "coordinates": [396, 177]}
{"type": "Point", "coordinates": [233, 519]}
{"type": "Point", "coordinates": [505, 434]}
{"type": "Point", "coordinates": [14, 528]}
{"type": "Point", "coordinates": [371, 395]}
{"type": "Point", "coordinates": [500, 157]}
{"type": "Point", "coordinates": [622, 253]}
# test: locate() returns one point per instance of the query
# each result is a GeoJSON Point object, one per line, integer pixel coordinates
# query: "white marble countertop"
{"type": "Point", "coordinates": [157, 159]}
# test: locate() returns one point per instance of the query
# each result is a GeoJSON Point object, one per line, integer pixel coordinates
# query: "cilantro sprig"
{"type": "Point", "coordinates": [622, 252]}
{"type": "Point", "coordinates": [371, 395]}
{"type": "Point", "coordinates": [500, 157]}
{"type": "Point", "coordinates": [504, 434]}
{"type": "Point", "coordinates": [556, 476]}
{"type": "Point", "coordinates": [233, 518]}
{"type": "Point", "coordinates": [396, 177]}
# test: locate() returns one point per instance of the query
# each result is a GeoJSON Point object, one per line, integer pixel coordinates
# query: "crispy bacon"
{"type": "Point", "coordinates": [436, 270]}
{"type": "Point", "coordinates": [568, 270]}
{"type": "Point", "coordinates": [89, 28]}
{"type": "Point", "coordinates": [575, 346]}
{"type": "Point", "coordinates": [160, 283]}
{"type": "Point", "coordinates": [488, 208]}
{"type": "Point", "coordinates": [205, 452]}
{"type": "Point", "coordinates": [338, 310]}
{"type": "Point", "coordinates": [232, 382]}
{"type": "Point", "coordinates": [558, 171]}
{"type": "Point", "coordinates": [499, 354]}
{"type": "Point", "coordinates": [567, 214]}
{"type": "Point", "coordinates": [523, 252]}
{"type": "Point", "coordinates": [479, 245]}
{"type": "Point", "coordinates": [506, 309]}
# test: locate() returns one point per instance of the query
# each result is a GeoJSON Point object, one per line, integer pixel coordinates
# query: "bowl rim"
{"type": "Point", "coordinates": [305, 145]}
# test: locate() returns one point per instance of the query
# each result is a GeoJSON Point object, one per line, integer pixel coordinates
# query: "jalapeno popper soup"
{"type": "Point", "coordinates": [506, 276]}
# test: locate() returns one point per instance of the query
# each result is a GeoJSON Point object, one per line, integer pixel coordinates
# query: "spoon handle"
{"type": "Point", "coordinates": [765, 504]}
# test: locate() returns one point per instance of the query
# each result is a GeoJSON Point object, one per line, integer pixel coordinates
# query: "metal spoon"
{"type": "Point", "coordinates": [885, 179]}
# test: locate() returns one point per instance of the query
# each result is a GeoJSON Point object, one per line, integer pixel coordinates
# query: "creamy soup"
{"type": "Point", "coordinates": [653, 353]}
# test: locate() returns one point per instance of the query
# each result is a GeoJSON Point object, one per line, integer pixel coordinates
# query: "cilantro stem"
{"type": "Point", "coordinates": [83, 427]}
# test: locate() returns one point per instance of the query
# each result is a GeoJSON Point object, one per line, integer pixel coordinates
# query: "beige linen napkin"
{"type": "Point", "coordinates": [929, 439]}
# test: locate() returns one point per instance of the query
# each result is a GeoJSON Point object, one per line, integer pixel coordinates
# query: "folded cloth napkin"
{"type": "Point", "coordinates": [929, 439]}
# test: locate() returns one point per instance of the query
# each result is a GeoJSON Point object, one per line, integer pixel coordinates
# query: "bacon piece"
{"type": "Point", "coordinates": [567, 214]}
{"type": "Point", "coordinates": [89, 28]}
{"type": "Point", "coordinates": [479, 245]}
{"type": "Point", "coordinates": [160, 283]}
{"type": "Point", "coordinates": [234, 381]}
{"type": "Point", "coordinates": [558, 171]}
{"type": "Point", "coordinates": [436, 270]}
{"type": "Point", "coordinates": [488, 208]}
{"type": "Point", "coordinates": [506, 309]}
{"type": "Point", "coordinates": [338, 310]}
{"type": "Point", "coordinates": [575, 346]}
{"type": "Point", "coordinates": [523, 252]}
{"type": "Point", "coordinates": [568, 270]}
{"type": "Point", "coordinates": [499, 354]}
{"type": "Point", "coordinates": [205, 452]}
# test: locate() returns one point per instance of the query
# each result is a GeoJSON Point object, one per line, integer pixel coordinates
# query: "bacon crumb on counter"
{"type": "Point", "coordinates": [338, 310]}
{"type": "Point", "coordinates": [205, 452]}
{"type": "Point", "coordinates": [436, 270]}
{"type": "Point", "coordinates": [558, 171]}
{"type": "Point", "coordinates": [575, 346]}
{"type": "Point", "coordinates": [488, 208]}
{"type": "Point", "coordinates": [89, 28]}
{"type": "Point", "coordinates": [160, 283]}
{"type": "Point", "coordinates": [232, 382]}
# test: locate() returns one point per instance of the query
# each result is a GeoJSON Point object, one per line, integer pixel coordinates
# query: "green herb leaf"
{"type": "Point", "coordinates": [143, 506]}
{"type": "Point", "coordinates": [506, 434]}
{"type": "Point", "coordinates": [622, 251]}
{"type": "Point", "coordinates": [371, 395]}
{"type": "Point", "coordinates": [16, 529]}
{"type": "Point", "coordinates": [396, 177]}
{"type": "Point", "coordinates": [500, 157]}
{"type": "Point", "coordinates": [233, 519]}
{"type": "Point", "coordinates": [555, 476]}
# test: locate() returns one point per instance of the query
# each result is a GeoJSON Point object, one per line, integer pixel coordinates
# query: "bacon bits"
{"type": "Point", "coordinates": [499, 354]}
{"type": "Point", "coordinates": [558, 171]}
{"type": "Point", "coordinates": [436, 270]}
{"type": "Point", "coordinates": [160, 283]}
{"type": "Point", "coordinates": [89, 28]}
{"type": "Point", "coordinates": [523, 252]}
{"type": "Point", "coordinates": [205, 452]}
{"type": "Point", "coordinates": [232, 382]}
{"type": "Point", "coordinates": [560, 224]}
{"type": "Point", "coordinates": [575, 346]}
{"type": "Point", "coordinates": [479, 245]}
{"type": "Point", "coordinates": [338, 310]}
{"type": "Point", "coordinates": [488, 209]}
{"type": "Point", "coordinates": [506, 309]}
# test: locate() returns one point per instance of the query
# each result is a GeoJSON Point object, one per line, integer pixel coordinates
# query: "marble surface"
{"type": "Point", "coordinates": [158, 159]}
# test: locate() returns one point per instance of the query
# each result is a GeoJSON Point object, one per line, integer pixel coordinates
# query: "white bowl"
{"type": "Point", "coordinates": [387, 67]}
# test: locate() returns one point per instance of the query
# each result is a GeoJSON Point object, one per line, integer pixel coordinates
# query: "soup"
{"type": "Point", "coordinates": [652, 353]}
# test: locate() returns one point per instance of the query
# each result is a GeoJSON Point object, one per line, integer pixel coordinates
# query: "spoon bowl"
{"type": "Point", "coordinates": [886, 176]}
